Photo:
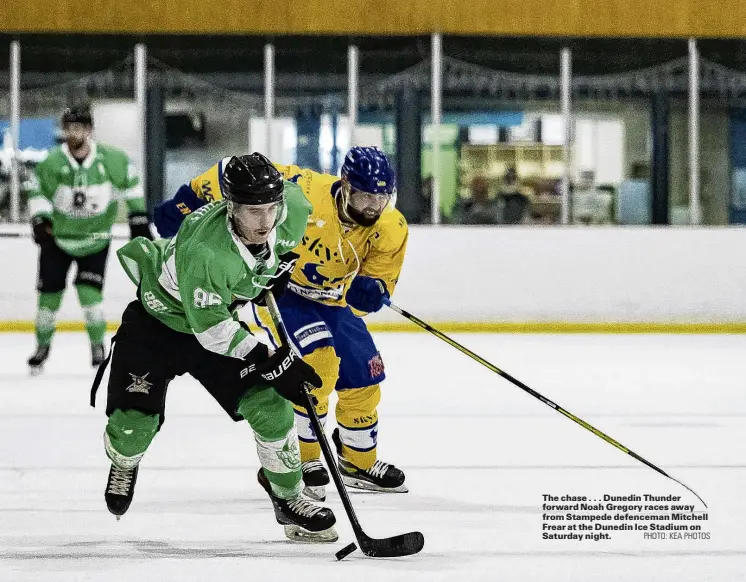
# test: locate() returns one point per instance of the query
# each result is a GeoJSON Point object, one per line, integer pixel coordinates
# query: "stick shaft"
{"type": "Point", "coordinates": [602, 435]}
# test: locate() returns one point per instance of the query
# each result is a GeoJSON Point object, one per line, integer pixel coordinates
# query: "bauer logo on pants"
{"type": "Point", "coordinates": [139, 384]}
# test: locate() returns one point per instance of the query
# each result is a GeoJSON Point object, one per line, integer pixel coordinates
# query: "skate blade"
{"type": "Point", "coordinates": [296, 533]}
{"type": "Point", "coordinates": [355, 483]}
{"type": "Point", "coordinates": [317, 493]}
{"type": "Point", "coordinates": [35, 370]}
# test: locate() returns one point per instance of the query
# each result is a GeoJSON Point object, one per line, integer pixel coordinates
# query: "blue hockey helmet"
{"type": "Point", "coordinates": [367, 169]}
{"type": "Point", "coordinates": [368, 185]}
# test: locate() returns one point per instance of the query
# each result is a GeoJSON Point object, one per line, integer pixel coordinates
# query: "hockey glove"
{"type": "Point", "coordinates": [278, 284]}
{"type": "Point", "coordinates": [287, 373]}
{"type": "Point", "coordinates": [42, 230]}
{"type": "Point", "coordinates": [140, 225]}
{"type": "Point", "coordinates": [366, 294]}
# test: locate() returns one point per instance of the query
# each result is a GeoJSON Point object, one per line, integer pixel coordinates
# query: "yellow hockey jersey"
{"type": "Point", "coordinates": [208, 185]}
{"type": "Point", "coordinates": [331, 254]}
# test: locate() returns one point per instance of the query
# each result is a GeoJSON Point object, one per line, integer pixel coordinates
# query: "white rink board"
{"type": "Point", "coordinates": [474, 274]}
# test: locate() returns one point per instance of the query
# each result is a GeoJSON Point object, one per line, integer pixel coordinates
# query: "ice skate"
{"type": "Point", "coordinates": [120, 489]}
{"type": "Point", "coordinates": [304, 521]}
{"type": "Point", "coordinates": [381, 477]}
{"type": "Point", "coordinates": [315, 479]}
{"type": "Point", "coordinates": [37, 359]}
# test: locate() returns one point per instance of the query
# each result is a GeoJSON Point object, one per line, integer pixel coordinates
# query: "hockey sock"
{"type": "Point", "coordinates": [91, 300]}
{"type": "Point", "coordinates": [46, 315]}
{"type": "Point", "coordinates": [357, 418]}
{"type": "Point", "coordinates": [326, 364]}
{"type": "Point", "coordinates": [127, 436]}
{"type": "Point", "coordinates": [308, 441]}
{"type": "Point", "coordinates": [271, 418]}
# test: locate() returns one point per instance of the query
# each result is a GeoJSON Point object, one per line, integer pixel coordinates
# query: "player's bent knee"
{"type": "Point", "coordinates": [363, 401]}
{"type": "Point", "coordinates": [89, 294]}
{"type": "Point", "coordinates": [128, 435]}
{"type": "Point", "coordinates": [268, 413]}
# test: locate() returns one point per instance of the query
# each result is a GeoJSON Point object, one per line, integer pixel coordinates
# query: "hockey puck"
{"type": "Point", "coordinates": [346, 551]}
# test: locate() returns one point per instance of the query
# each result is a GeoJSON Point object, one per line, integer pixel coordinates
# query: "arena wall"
{"type": "Point", "coordinates": [505, 279]}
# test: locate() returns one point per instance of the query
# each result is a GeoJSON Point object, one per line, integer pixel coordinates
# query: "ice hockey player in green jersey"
{"type": "Point", "coordinates": [227, 255]}
{"type": "Point", "coordinates": [72, 211]}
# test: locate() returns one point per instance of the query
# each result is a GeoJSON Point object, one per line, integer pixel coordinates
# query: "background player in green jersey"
{"type": "Point", "coordinates": [227, 255]}
{"type": "Point", "coordinates": [73, 208]}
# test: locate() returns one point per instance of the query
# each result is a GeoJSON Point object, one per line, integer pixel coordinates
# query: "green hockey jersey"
{"type": "Point", "coordinates": [81, 199]}
{"type": "Point", "coordinates": [191, 281]}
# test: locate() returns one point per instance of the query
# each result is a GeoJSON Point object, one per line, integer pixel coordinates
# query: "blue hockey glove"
{"type": "Point", "coordinates": [169, 215]}
{"type": "Point", "coordinates": [366, 294]}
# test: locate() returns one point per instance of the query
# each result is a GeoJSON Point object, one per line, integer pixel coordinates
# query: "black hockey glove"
{"type": "Point", "coordinates": [140, 225]}
{"type": "Point", "coordinates": [287, 373]}
{"type": "Point", "coordinates": [278, 284]}
{"type": "Point", "coordinates": [42, 230]}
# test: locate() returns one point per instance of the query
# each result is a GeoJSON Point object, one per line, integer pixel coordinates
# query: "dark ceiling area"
{"type": "Point", "coordinates": [378, 55]}
{"type": "Point", "coordinates": [318, 64]}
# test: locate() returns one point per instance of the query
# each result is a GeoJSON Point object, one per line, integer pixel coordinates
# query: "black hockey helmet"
{"type": "Point", "coordinates": [252, 179]}
{"type": "Point", "coordinates": [78, 114]}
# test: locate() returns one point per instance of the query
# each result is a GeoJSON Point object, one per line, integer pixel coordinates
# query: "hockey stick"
{"type": "Point", "coordinates": [28, 235]}
{"type": "Point", "coordinates": [534, 393]}
{"type": "Point", "coordinates": [401, 545]}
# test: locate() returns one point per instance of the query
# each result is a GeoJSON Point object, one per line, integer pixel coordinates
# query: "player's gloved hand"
{"type": "Point", "coordinates": [280, 281]}
{"type": "Point", "coordinates": [366, 294]}
{"type": "Point", "coordinates": [42, 227]}
{"type": "Point", "coordinates": [140, 225]}
{"type": "Point", "coordinates": [287, 373]}
{"type": "Point", "coordinates": [169, 215]}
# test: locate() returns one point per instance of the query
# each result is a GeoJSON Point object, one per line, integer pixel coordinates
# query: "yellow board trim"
{"type": "Point", "coordinates": [736, 327]}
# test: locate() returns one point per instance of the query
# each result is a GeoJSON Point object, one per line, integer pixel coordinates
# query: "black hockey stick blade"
{"type": "Point", "coordinates": [401, 545]}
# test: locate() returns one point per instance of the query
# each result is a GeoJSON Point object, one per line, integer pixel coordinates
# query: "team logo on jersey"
{"type": "Point", "coordinates": [375, 366]}
{"type": "Point", "coordinates": [290, 455]}
{"type": "Point", "coordinates": [207, 191]}
{"type": "Point", "coordinates": [139, 384]}
{"type": "Point", "coordinates": [78, 198]}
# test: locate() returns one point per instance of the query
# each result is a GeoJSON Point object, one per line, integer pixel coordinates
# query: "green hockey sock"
{"type": "Point", "coordinates": [91, 300]}
{"type": "Point", "coordinates": [46, 315]}
{"type": "Point", "coordinates": [271, 417]}
{"type": "Point", "coordinates": [127, 436]}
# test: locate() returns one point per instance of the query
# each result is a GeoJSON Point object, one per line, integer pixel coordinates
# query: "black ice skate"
{"type": "Point", "coordinates": [381, 477]}
{"type": "Point", "coordinates": [304, 521]}
{"type": "Point", "coordinates": [98, 354]}
{"type": "Point", "coordinates": [37, 359]}
{"type": "Point", "coordinates": [315, 479]}
{"type": "Point", "coordinates": [119, 489]}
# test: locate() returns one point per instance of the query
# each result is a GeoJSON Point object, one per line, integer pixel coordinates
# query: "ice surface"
{"type": "Point", "coordinates": [478, 453]}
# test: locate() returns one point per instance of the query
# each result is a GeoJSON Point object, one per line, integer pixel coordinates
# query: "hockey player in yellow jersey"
{"type": "Point", "coordinates": [350, 259]}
